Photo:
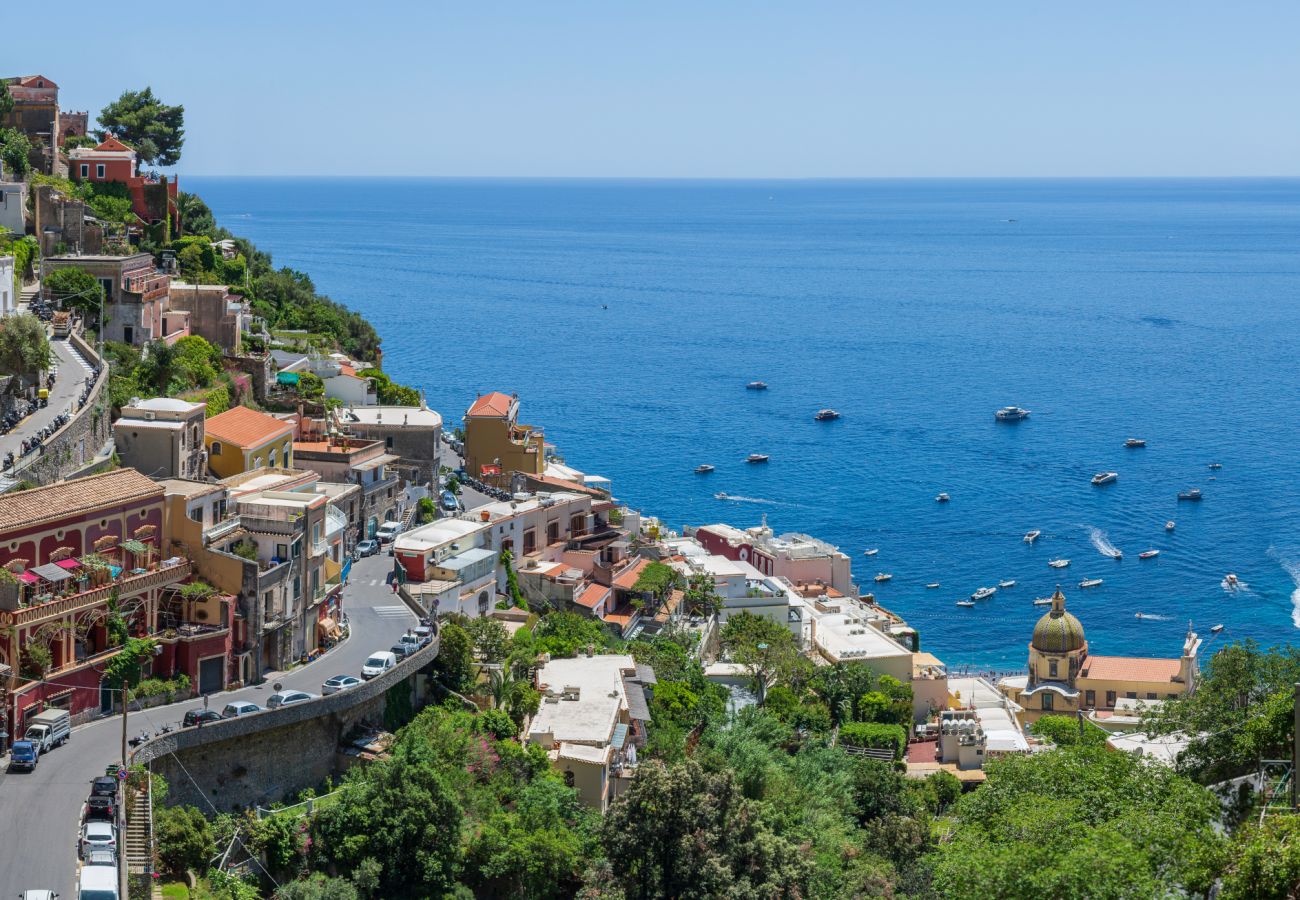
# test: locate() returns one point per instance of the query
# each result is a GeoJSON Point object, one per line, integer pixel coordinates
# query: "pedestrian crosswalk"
{"type": "Point", "coordinates": [391, 612]}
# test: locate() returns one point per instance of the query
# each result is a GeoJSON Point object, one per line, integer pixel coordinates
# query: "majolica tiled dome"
{"type": "Point", "coordinates": [1058, 631]}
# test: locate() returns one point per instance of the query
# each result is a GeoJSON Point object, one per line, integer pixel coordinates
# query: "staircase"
{"type": "Point", "coordinates": [139, 843]}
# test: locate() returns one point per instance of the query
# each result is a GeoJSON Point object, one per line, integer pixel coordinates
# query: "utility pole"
{"type": "Point", "coordinates": [126, 702]}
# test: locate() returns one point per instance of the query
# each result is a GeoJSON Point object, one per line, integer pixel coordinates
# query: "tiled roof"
{"type": "Point", "coordinates": [1130, 668]}
{"type": "Point", "coordinates": [592, 595]}
{"type": "Point", "coordinates": [628, 576]}
{"type": "Point", "coordinates": [493, 405]}
{"type": "Point", "coordinates": [246, 428]}
{"type": "Point", "coordinates": [113, 144]}
{"type": "Point", "coordinates": [79, 496]}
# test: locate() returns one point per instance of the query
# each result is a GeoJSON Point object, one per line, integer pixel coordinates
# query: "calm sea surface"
{"type": "Point", "coordinates": [1165, 310]}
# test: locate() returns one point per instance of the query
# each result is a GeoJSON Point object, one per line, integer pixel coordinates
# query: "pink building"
{"type": "Point", "coordinates": [799, 558]}
{"type": "Point", "coordinates": [152, 198]}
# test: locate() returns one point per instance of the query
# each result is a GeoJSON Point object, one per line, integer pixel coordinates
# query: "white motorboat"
{"type": "Point", "coordinates": [1216, 629]}
{"type": "Point", "coordinates": [1104, 478]}
{"type": "Point", "coordinates": [871, 552]}
{"type": "Point", "coordinates": [703, 469]}
{"type": "Point", "coordinates": [1042, 601]}
{"type": "Point", "coordinates": [1058, 563]}
{"type": "Point", "coordinates": [1148, 554]}
{"type": "Point", "coordinates": [721, 495]}
{"type": "Point", "coordinates": [1090, 582]}
{"type": "Point", "coordinates": [932, 585]}
{"type": "Point", "coordinates": [1193, 494]}
{"type": "Point", "coordinates": [1139, 615]}
{"type": "Point", "coordinates": [942, 498]}
{"type": "Point", "coordinates": [1011, 414]}
{"type": "Point", "coordinates": [1169, 526]}
{"type": "Point", "coordinates": [1132, 443]}
{"type": "Point", "coordinates": [756, 458]}
{"type": "Point", "coordinates": [1009, 583]}
{"type": "Point", "coordinates": [1216, 466]}
{"type": "Point", "coordinates": [1032, 536]}
{"type": "Point", "coordinates": [826, 415]}
{"type": "Point", "coordinates": [983, 593]}
{"type": "Point", "coordinates": [1231, 582]}
{"type": "Point", "coordinates": [882, 577]}
{"type": "Point", "coordinates": [965, 602]}
{"type": "Point", "coordinates": [757, 386]}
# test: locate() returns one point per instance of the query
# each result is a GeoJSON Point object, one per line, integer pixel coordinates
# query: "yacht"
{"type": "Point", "coordinates": [1090, 582]}
{"type": "Point", "coordinates": [1216, 466]}
{"type": "Point", "coordinates": [932, 585]}
{"type": "Point", "coordinates": [1104, 478]}
{"type": "Point", "coordinates": [1058, 563]}
{"type": "Point", "coordinates": [1011, 414]}
{"type": "Point", "coordinates": [1148, 554]}
{"type": "Point", "coordinates": [1132, 443]}
{"type": "Point", "coordinates": [704, 469]}
{"type": "Point", "coordinates": [965, 602]}
{"type": "Point", "coordinates": [1169, 526]}
{"type": "Point", "coordinates": [983, 593]}
{"type": "Point", "coordinates": [1009, 583]}
{"type": "Point", "coordinates": [942, 498]}
{"type": "Point", "coordinates": [756, 458]}
{"type": "Point", "coordinates": [1216, 629]}
{"type": "Point", "coordinates": [871, 552]}
{"type": "Point", "coordinates": [826, 415]}
{"type": "Point", "coordinates": [882, 577]}
{"type": "Point", "coordinates": [1042, 601]}
{"type": "Point", "coordinates": [756, 386]}
{"type": "Point", "coordinates": [1032, 536]}
{"type": "Point", "coordinates": [1193, 494]}
{"type": "Point", "coordinates": [721, 495]}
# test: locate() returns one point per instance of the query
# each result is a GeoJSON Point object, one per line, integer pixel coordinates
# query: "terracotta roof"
{"type": "Point", "coordinates": [1130, 668]}
{"type": "Point", "coordinates": [113, 144]}
{"type": "Point", "coordinates": [347, 370]}
{"type": "Point", "coordinates": [246, 428]}
{"type": "Point", "coordinates": [591, 596]}
{"type": "Point", "coordinates": [628, 576]}
{"type": "Point", "coordinates": [79, 496]}
{"type": "Point", "coordinates": [566, 485]}
{"type": "Point", "coordinates": [495, 405]}
{"type": "Point", "coordinates": [31, 80]}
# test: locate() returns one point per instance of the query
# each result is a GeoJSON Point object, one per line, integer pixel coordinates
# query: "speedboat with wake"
{"type": "Point", "coordinates": [983, 593]}
{"type": "Point", "coordinates": [1031, 536]}
{"type": "Point", "coordinates": [871, 552]}
{"type": "Point", "coordinates": [1231, 583]}
{"type": "Point", "coordinates": [721, 495]}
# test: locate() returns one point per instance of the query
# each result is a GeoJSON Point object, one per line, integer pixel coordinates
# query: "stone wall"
{"type": "Point", "coordinates": [71, 450]}
{"type": "Point", "coordinates": [259, 368]}
{"type": "Point", "coordinates": [270, 756]}
{"type": "Point", "coordinates": [62, 220]}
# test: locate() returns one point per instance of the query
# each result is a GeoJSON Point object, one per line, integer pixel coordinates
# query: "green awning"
{"type": "Point", "coordinates": [134, 547]}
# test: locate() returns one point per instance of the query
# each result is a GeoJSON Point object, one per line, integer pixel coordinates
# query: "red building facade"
{"type": "Point", "coordinates": [114, 162]}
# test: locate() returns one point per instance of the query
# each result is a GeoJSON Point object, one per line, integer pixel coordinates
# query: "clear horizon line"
{"type": "Point", "coordinates": [738, 178]}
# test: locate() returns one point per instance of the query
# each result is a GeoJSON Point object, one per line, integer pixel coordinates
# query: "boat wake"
{"type": "Point", "coordinates": [740, 499]}
{"type": "Point", "coordinates": [1153, 617]}
{"type": "Point", "coordinates": [1102, 543]}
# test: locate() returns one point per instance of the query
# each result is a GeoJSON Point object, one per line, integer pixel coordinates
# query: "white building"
{"type": "Point", "coordinates": [13, 207]}
{"type": "Point", "coordinates": [533, 524]}
{"type": "Point", "coordinates": [8, 293]}
{"type": "Point", "coordinates": [449, 567]}
{"type": "Point", "coordinates": [995, 713]}
{"type": "Point", "coordinates": [798, 558]}
{"type": "Point", "coordinates": [592, 717]}
{"type": "Point", "coordinates": [741, 586]}
{"type": "Point", "coordinates": [847, 630]}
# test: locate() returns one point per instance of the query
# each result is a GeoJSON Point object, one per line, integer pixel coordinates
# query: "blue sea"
{"type": "Point", "coordinates": [629, 316]}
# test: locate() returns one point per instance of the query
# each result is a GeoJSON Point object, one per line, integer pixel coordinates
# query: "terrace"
{"type": "Point", "coordinates": [37, 595]}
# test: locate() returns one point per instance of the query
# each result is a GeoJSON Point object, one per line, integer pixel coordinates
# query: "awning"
{"type": "Point", "coordinates": [52, 572]}
{"type": "Point", "coordinates": [637, 708]}
{"type": "Point", "coordinates": [27, 577]}
{"type": "Point", "coordinates": [69, 564]}
{"type": "Point", "coordinates": [620, 736]}
{"type": "Point", "coordinates": [134, 547]}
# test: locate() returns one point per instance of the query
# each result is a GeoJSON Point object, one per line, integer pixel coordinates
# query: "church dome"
{"type": "Point", "coordinates": [1058, 631]}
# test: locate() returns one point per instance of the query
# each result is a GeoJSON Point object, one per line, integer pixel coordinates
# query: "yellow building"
{"type": "Point", "coordinates": [243, 439]}
{"type": "Point", "coordinates": [496, 444]}
{"type": "Point", "coordinates": [1065, 678]}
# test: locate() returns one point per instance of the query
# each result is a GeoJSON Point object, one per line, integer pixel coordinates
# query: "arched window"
{"type": "Point", "coordinates": [272, 462]}
{"type": "Point", "coordinates": [1051, 668]}
{"type": "Point", "coordinates": [216, 448]}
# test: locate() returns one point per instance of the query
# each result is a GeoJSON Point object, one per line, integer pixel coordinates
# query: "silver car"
{"type": "Point", "coordinates": [339, 683]}
{"type": "Point", "coordinates": [286, 698]}
{"type": "Point", "coordinates": [239, 708]}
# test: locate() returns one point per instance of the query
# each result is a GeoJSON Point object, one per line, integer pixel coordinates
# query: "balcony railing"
{"type": "Point", "coordinates": [143, 284]}
{"type": "Point", "coordinates": [64, 606]}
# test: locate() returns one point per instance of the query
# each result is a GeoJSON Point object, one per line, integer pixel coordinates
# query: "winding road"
{"type": "Point", "coordinates": [40, 812]}
{"type": "Point", "coordinates": [71, 375]}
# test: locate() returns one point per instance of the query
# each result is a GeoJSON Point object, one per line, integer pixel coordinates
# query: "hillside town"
{"type": "Point", "coordinates": [258, 587]}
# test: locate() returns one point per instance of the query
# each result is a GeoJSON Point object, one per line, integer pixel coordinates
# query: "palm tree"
{"type": "Point", "coordinates": [500, 683]}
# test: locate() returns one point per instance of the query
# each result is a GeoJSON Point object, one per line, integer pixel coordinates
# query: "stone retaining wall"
{"type": "Point", "coordinates": [264, 758]}
{"type": "Point", "coordinates": [72, 449]}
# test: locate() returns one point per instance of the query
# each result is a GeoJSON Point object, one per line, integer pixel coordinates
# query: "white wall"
{"type": "Point", "coordinates": [350, 389]}
{"type": "Point", "coordinates": [8, 296]}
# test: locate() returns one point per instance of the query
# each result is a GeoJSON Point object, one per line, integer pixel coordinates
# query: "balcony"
{"type": "Point", "coordinates": [126, 584]}
{"type": "Point", "coordinates": [146, 283]}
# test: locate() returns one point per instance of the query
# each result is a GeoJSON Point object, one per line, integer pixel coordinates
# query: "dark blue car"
{"type": "Point", "coordinates": [23, 755]}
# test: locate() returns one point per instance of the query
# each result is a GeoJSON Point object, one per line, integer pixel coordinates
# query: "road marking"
{"type": "Point", "coordinates": [391, 612]}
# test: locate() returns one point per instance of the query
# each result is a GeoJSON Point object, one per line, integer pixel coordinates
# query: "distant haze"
{"type": "Point", "coordinates": [688, 89]}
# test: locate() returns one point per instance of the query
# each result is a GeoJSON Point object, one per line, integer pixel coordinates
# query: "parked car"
{"type": "Point", "coordinates": [238, 708]}
{"type": "Point", "coordinates": [339, 683]}
{"type": "Point", "coordinates": [102, 802]}
{"type": "Point", "coordinates": [101, 858]}
{"type": "Point", "coordinates": [97, 883]}
{"type": "Point", "coordinates": [50, 728]}
{"type": "Point", "coordinates": [286, 698]}
{"type": "Point", "coordinates": [379, 662]}
{"type": "Point", "coordinates": [388, 531]}
{"type": "Point", "coordinates": [98, 836]}
{"type": "Point", "coordinates": [24, 754]}
{"type": "Point", "coordinates": [38, 895]}
{"type": "Point", "coordinates": [412, 642]}
{"type": "Point", "coordinates": [424, 633]}
{"type": "Point", "coordinates": [199, 717]}
{"type": "Point", "coordinates": [368, 547]}
{"type": "Point", "coordinates": [402, 651]}
{"type": "Point", "coordinates": [448, 502]}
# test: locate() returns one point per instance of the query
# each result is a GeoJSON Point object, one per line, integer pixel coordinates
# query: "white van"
{"type": "Point", "coordinates": [98, 883]}
{"type": "Point", "coordinates": [379, 662]}
{"type": "Point", "coordinates": [50, 729]}
{"type": "Point", "coordinates": [388, 531]}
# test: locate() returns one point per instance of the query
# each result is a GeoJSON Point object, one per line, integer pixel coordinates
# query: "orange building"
{"type": "Point", "coordinates": [496, 445]}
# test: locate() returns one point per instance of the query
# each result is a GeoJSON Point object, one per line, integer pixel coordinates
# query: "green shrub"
{"type": "Point", "coordinates": [875, 736]}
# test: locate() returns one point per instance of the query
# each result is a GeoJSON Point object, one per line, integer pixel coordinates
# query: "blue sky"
{"type": "Point", "coordinates": [691, 89]}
